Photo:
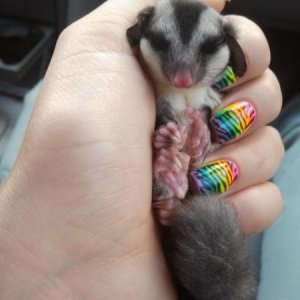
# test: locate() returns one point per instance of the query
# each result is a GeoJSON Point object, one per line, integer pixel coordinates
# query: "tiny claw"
{"type": "Point", "coordinates": [177, 162]}
{"type": "Point", "coordinates": [163, 131]}
{"type": "Point", "coordinates": [176, 136]}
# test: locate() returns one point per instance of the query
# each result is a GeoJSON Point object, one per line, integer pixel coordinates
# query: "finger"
{"type": "Point", "coordinates": [255, 48]}
{"type": "Point", "coordinates": [247, 108]}
{"type": "Point", "coordinates": [257, 207]}
{"type": "Point", "coordinates": [234, 167]}
{"type": "Point", "coordinates": [216, 4]}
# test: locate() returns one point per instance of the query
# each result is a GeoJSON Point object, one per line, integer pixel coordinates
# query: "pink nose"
{"type": "Point", "coordinates": [183, 80]}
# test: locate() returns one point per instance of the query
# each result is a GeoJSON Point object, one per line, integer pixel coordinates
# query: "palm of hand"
{"type": "Point", "coordinates": [94, 143]}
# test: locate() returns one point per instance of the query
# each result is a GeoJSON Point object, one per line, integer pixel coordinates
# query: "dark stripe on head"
{"type": "Point", "coordinates": [157, 40]}
{"type": "Point", "coordinates": [212, 44]}
{"type": "Point", "coordinates": [187, 15]}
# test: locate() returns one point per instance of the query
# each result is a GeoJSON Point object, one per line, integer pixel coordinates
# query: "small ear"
{"type": "Point", "coordinates": [134, 33]}
{"type": "Point", "coordinates": [237, 57]}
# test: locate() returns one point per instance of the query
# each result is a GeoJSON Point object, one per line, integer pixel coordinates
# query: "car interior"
{"type": "Point", "coordinates": [28, 33]}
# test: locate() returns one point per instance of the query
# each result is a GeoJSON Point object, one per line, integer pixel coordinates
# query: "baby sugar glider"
{"type": "Point", "coordinates": [185, 46]}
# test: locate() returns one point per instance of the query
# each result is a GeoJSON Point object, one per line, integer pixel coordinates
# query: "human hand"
{"type": "Point", "coordinates": [75, 217]}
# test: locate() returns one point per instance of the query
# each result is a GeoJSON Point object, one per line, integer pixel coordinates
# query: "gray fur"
{"type": "Point", "coordinates": [164, 114]}
{"type": "Point", "coordinates": [205, 54]}
{"type": "Point", "coordinates": [207, 252]}
{"type": "Point", "coordinates": [204, 245]}
{"type": "Point", "coordinates": [206, 67]}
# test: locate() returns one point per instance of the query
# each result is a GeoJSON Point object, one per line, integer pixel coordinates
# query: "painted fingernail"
{"type": "Point", "coordinates": [233, 120]}
{"type": "Point", "coordinates": [215, 178]}
{"type": "Point", "coordinates": [227, 79]}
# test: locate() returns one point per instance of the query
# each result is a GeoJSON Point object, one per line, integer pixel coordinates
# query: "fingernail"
{"type": "Point", "coordinates": [233, 120]}
{"type": "Point", "coordinates": [216, 177]}
{"type": "Point", "coordinates": [227, 79]}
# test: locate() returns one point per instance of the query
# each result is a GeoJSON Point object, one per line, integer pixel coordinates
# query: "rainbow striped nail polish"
{"type": "Point", "coordinates": [228, 78]}
{"type": "Point", "coordinates": [233, 120]}
{"type": "Point", "coordinates": [216, 177]}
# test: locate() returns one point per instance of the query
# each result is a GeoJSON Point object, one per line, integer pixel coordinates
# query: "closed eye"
{"type": "Point", "coordinates": [157, 40]}
{"type": "Point", "coordinates": [212, 44]}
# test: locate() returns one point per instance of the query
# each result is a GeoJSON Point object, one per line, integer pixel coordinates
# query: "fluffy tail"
{"type": "Point", "coordinates": [207, 252]}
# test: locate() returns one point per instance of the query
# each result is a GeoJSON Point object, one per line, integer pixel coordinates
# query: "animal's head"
{"type": "Point", "coordinates": [185, 43]}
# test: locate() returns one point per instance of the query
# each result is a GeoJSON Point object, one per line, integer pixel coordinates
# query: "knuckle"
{"type": "Point", "coordinates": [271, 195]}
{"type": "Point", "coordinates": [259, 39]}
{"type": "Point", "coordinates": [275, 141]}
{"type": "Point", "coordinates": [68, 33]}
{"type": "Point", "coordinates": [258, 161]}
{"type": "Point", "coordinates": [269, 153]}
{"type": "Point", "coordinates": [273, 198]}
{"type": "Point", "coordinates": [277, 196]}
{"type": "Point", "coordinates": [271, 84]}
{"type": "Point", "coordinates": [264, 153]}
{"type": "Point", "coordinates": [253, 41]}
{"type": "Point", "coordinates": [75, 35]}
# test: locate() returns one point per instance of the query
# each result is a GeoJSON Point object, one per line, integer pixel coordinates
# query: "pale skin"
{"type": "Point", "coordinates": [75, 214]}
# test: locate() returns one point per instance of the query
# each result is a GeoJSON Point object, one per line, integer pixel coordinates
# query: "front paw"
{"type": "Point", "coordinates": [199, 138]}
{"type": "Point", "coordinates": [170, 182]}
{"type": "Point", "coordinates": [168, 135]}
{"type": "Point", "coordinates": [171, 168]}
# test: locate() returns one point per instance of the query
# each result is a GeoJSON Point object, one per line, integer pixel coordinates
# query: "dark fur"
{"type": "Point", "coordinates": [204, 245]}
{"type": "Point", "coordinates": [187, 11]}
{"type": "Point", "coordinates": [212, 43]}
{"type": "Point", "coordinates": [186, 16]}
{"type": "Point", "coordinates": [158, 40]}
{"type": "Point", "coordinates": [164, 114]}
{"type": "Point", "coordinates": [207, 252]}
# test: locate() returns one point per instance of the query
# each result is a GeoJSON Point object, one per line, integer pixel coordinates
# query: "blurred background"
{"type": "Point", "coordinates": [28, 33]}
{"type": "Point", "coordinates": [29, 30]}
